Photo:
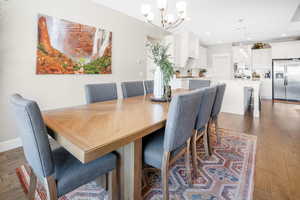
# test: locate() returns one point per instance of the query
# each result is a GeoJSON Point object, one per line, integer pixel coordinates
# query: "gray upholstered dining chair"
{"type": "Point", "coordinates": [201, 124]}
{"type": "Point", "coordinates": [100, 92]}
{"type": "Point", "coordinates": [149, 86]}
{"type": "Point", "coordinates": [132, 89]}
{"type": "Point", "coordinates": [165, 145]}
{"type": "Point", "coordinates": [60, 171]}
{"type": "Point", "coordinates": [217, 108]}
{"type": "Point", "coordinates": [197, 84]}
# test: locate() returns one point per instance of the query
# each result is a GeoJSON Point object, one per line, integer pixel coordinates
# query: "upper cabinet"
{"type": "Point", "coordinates": [186, 50]}
{"type": "Point", "coordinates": [283, 50]}
{"type": "Point", "coordinates": [261, 58]}
{"type": "Point", "coordinates": [171, 41]}
{"type": "Point", "coordinates": [202, 57]}
{"type": "Point", "coordinates": [186, 47]}
{"type": "Point", "coordinates": [193, 44]}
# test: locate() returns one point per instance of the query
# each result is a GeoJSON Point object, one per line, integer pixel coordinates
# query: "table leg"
{"type": "Point", "coordinates": [131, 171]}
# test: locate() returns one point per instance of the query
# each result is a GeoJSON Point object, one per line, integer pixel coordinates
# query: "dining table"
{"type": "Point", "coordinates": [93, 130]}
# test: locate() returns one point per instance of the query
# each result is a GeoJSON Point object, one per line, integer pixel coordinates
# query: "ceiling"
{"type": "Point", "coordinates": [216, 21]}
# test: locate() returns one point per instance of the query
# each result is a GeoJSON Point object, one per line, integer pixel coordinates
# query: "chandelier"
{"type": "Point", "coordinates": [168, 21]}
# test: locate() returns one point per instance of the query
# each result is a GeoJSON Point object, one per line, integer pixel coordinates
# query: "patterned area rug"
{"type": "Point", "coordinates": [226, 175]}
{"type": "Point", "coordinates": [90, 191]}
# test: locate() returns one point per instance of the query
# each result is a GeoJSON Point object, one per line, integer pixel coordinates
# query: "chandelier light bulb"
{"type": "Point", "coordinates": [162, 4]}
{"type": "Point", "coordinates": [150, 17]}
{"type": "Point", "coordinates": [170, 18]}
{"type": "Point", "coordinates": [182, 15]}
{"type": "Point", "coordinates": [181, 6]}
{"type": "Point", "coordinates": [145, 9]}
{"type": "Point", "coordinates": [167, 20]}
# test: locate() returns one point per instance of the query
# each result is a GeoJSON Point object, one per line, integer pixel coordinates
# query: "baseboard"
{"type": "Point", "coordinates": [266, 98]}
{"type": "Point", "coordinates": [10, 144]}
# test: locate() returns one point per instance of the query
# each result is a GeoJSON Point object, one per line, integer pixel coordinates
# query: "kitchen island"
{"type": "Point", "coordinates": [238, 95]}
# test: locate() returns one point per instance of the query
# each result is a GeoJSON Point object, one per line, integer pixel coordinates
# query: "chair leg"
{"type": "Point", "coordinates": [32, 185]}
{"type": "Point", "coordinates": [217, 131]}
{"type": "Point", "coordinates": [113, 185]}
{"type": "Point", "coordinates": [206, 140]}
{"type": "Point", "coordinates": [165, 175]}
{"type": "Point", "coordinates": [194, 154]}
{"type": "Point", "coordinates": [103, 181]}
{"type": "Point", "coordinates": [51, 188]}
{"type": "Point", "coordinates": [187, 161]}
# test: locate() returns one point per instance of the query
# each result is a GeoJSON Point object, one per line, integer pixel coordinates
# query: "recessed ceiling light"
{"type": "Point", "coordinates": [283, 35]}
{"type": "Point", "coordinates": [249, 38]}
{"type": "Point", "coordinates": [208, 33]}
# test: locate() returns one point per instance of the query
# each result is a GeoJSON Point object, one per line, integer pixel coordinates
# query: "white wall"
{"type": "Point", "coordinates": [218, 50]}
{"type": "Point", "coordinates": [18, 41]}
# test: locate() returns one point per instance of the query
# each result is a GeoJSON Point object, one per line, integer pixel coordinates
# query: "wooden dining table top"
{"type": "Point", "coordinates": [92, 130]}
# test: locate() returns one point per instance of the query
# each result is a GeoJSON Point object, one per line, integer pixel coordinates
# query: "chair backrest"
{"type": "Point", "coordinates": [149, 86]}
{"type": "Point", "coordinates": [132, 89]}
{"type": "Point", "coordinates": [205, 107]}
{"type": "Point", "coordinates": [100, 92]}
{"type": "Point", "coordinates": [218, 100]}
{"type": "Point", "coordinates": [34, 135]}
{"type": "Point", "coordinates": [182, 114]}
{"type": "Point", "coordinates": [197, 84]}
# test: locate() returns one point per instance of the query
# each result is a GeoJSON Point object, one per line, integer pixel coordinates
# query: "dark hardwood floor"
{"type": "Point", "coordinates": [277, 172]}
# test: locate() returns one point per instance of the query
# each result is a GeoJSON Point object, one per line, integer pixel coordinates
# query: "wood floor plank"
{"type": "Point", "coordinates": [262, 180]}
{"type": "Point", "coordinates": [261, 195]}
{"type": "Point", "coordinates": [294, 177]}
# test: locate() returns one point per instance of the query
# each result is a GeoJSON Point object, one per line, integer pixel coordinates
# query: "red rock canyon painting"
{"type": "Point", "coordinates": [66, 47]}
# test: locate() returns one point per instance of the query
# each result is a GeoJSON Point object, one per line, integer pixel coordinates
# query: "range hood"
{"type": "Point", "coordinates": [191, 62]}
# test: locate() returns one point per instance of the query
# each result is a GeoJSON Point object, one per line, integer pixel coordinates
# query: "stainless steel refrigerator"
{"type": "Point", "coordinates": [286, 79]}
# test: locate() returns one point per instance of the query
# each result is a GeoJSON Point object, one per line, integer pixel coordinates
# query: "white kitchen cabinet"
{"type": "Point", "coordinates": [202, 58]}
{"type": "Point", "coordinates": [261, 58]}
{"type": "Point", "coordinates": [181, 52]}
{"type": "Point", "coordinates": [193, 45]}
{"type": "Point", "coordinates": [177, 83]}
{"type": "Point", "coordinates": [237, 55]}
{"type": "Point", "coordinates": [171, 41]}
{"type": "Point", "coordinates": [283, 50]}
{"type": "Point", "coordinates": [187, 46]}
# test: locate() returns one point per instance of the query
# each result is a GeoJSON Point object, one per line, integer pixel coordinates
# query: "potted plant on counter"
{"type": "Point", "coordinates": [164, 70]}
{"type": "Point", "coordinates": [202, 72]}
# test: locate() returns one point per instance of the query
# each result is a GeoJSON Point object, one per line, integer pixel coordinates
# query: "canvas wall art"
{"type": "Point", "coordinates": [66, 47]}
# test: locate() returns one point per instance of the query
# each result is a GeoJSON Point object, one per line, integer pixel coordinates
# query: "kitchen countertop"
{"type": "Point", "coordinates": [234, 97]}
{"type": "Point", "coordinates": [188, 76]}
{"type": "Point", "coordinates": [192, 77]}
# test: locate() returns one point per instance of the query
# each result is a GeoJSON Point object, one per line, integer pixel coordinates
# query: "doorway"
{"type": "Point", "coordinates": [221, 64]}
